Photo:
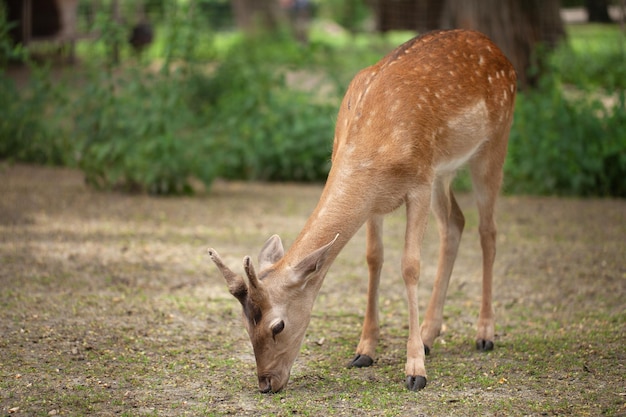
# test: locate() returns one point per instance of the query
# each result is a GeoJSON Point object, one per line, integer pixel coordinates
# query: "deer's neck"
{"type": "Point", "coordinates": [341, 210]}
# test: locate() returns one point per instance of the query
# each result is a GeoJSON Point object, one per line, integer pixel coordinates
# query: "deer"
{"type": "Point", "coordinates": [406, 125]}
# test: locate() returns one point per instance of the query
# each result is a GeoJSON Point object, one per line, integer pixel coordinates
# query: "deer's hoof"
{"type": "Point", "coordinates": [361, 361]}
{"type": "Point", "coordinates": [484, 345]}
{"type": "Point", "coordinates": [415, 383]}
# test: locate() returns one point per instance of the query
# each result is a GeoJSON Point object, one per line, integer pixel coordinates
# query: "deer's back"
{"type": "Point", "coordinates": [427, 105]}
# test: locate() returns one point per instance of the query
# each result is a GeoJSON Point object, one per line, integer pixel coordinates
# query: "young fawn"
{"type": "Point", "coordinates": [405, 126]}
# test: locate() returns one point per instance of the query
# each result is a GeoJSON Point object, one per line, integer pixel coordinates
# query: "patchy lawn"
{"type": "Point", "coordinates": [110, 306]}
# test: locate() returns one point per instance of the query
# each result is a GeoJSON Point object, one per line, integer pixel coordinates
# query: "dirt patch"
{"type": "Point", "coordinates": [110, 306]}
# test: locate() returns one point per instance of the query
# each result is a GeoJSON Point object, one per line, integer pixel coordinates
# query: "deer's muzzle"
{"type": "Point", "coordinates": [269, 383]}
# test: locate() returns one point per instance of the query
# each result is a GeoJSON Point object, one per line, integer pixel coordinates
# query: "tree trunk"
{"type": "Point", "coordinates": [429, 14]}
{"type": "Point", "coordinates": [517, 26]}
{"type": "Point", "coordinates": [597, 11]}
{"type": "Point", "coordinates": [254, 15]}
{"type": "Point", "coordinates": [396, 15]}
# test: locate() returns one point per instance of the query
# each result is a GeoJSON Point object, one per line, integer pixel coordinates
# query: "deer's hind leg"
{"type": "Point", "coordinates": [366, 349]}
{"type": "Point", "coordinates": [486, 171]}
{"type": "Point", "coordinates": [450, 222]}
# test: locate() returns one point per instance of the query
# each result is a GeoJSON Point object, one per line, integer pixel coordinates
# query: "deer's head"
{"type": "Point", "coordinates": [277, 304]}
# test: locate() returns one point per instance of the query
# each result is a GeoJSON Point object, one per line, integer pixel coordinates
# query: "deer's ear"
{"type": "Point", "coordinates": [313, 262]}
{"type": "Point", "coordinates": [236, 284]}
{"type": "Point", "coordinates": [271, 252]}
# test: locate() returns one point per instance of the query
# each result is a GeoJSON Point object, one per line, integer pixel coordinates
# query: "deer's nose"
{"type": "Point", "coordinates": [265, 384]}
{"type": "Point", "coordinates": [271, 384]}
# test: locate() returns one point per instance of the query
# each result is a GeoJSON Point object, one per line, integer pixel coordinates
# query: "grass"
{"type": "Point", "coordinates": [127, 369]}
{"type": "Point", "coordinates": [140, 323]}
{"type": "Point", "coordinates": [594, 38]}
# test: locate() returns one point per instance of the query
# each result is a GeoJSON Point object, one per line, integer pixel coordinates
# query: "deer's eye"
{"type": "Point", "coordinates": [277, 328]}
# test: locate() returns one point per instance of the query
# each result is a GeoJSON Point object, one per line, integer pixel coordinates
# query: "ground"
{"type": "Point", "coordinates": [110, 306]}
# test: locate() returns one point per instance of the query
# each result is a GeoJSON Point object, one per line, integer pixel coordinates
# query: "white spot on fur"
{"type": "Point", "coordinates": [365, 164]}
{"type": "Point", "coordinates": [397, 134]}
{"type": "Point", "coordinates": [395, 107]}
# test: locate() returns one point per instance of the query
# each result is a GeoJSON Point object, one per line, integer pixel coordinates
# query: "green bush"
{"type": "Point", "coordinates": [138, 133]}
{"type": "Point", "coordinates": [566, 145]}
{"type": "Point", "coordinates": [135, 127]}
{"type": "Point", "coordinates": [31, 114]}
{"type": "Point", "coordinates": [274, 136]}
{"type": "Point", "coordinates": [264, 129]}
{"type": "Point", "coordinates": [31, 122]}
{"type": "Point", "coordinates": [594, 56]}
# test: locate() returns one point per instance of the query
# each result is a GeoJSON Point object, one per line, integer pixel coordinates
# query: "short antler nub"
{"type": "Point", "coordinates": [250, 272]}
{"type": "Point", "coordinates": [257, 292]}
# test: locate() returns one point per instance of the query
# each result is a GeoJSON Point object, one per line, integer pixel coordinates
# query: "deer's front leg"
{"type": "Point", "coordinates": [417, 205]}
{"type": "Point", "coordinates": [366, 349]}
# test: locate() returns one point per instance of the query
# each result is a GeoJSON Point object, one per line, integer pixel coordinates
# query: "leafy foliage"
{"type": "Point", "coordinates": [29, 127]}
{"type": "Point", "coordinates": [593, 57]}
{"type": "Point", "coordinates": [563, 145]}
{"type": "Point", "coordinates": [266, 130]}
{"type": "Point", "coordinates": [139, 136]}
{"type": "Point", "coordinates": [199, 110]}
{"type": "Point", "coordinates": [136, 128]}
{"type": "Point", "coordinates": [27, 122]}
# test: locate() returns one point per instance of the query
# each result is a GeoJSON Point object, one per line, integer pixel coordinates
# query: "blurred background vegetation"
{"type": "Point", "coordinates": [157, 95]}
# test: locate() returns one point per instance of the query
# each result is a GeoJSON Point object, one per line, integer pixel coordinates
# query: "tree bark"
{"type": "Point", "coordinates": [597, 11]}
{"type": "Point", "coordinates": [254, 15]}
{"type": "Point", "coordinates": [418, 15]}
{"type": "Point", "coordinates": [429, 14]}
